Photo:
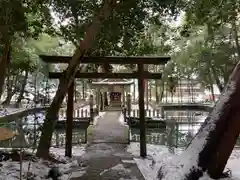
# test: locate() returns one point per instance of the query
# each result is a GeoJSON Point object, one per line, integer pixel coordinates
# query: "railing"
{"type": "Point", "coordinates": [28, 128]}
{"type": "Point", "coordinates": [80, 113]}
{"type": "Point", "coordinates": [28, 135]}
{"type": "Point", "coordinates": [181, 123]}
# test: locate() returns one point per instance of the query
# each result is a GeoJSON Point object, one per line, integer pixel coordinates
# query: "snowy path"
{"type": "Point", "coordinates": [106, 157]}
{"type": "Point", "coordinates": [109, 130]}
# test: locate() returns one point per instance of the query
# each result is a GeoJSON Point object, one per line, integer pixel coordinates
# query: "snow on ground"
{"type": "Point", "coordinates": [71, 169]}
{"type": "Point", "coordinates": [157, 154]}
{"type": "Point", "coordinates": [121, 119]}
{"type": "Point", "coordinates": [96, 118]}
{"type": "Point", "coordinates": [76, 151]}
{"type": "Point", "coordinates": [7, 111]}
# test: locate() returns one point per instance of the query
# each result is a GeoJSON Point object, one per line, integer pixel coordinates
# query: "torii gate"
{"type": "Point", "coordinates": [141, 75]}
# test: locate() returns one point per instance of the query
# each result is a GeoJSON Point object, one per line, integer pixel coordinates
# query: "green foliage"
{"type": "Point", "coordinates": [214, 13]}
{"type": "Point", "coordinates": [23, 17]}
{"type": "Point", "coordinates": [121, 33]}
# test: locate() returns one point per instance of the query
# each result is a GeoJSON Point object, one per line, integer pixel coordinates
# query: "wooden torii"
{"type": "Point", "coordinates": [140, 74]}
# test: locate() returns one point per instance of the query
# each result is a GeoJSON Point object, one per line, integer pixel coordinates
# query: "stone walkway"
{"type": "Point", "coordinates": [106, 157]}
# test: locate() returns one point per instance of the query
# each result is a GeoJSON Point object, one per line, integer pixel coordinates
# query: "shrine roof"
{"type": "Point", "coordinates": [113, 82]}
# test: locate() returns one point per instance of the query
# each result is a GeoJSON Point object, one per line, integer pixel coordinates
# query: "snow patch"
{"type": "Point", "coordinates": [101, 115]}
{"type": "Point", "coordinates": [120, 167]}
{"type": "Point", "coordinates": [128, 161]}
{"type": "Point", "coordinates": [39, 170]}
{"type": "Point", "coordinates": [121, 120]}
{"type": "Point", "coordinates": [8, 111]}
{"type": "Point", "coordinates": [158, 155]}
{"type": "Point", "coordinates": [76, 150]}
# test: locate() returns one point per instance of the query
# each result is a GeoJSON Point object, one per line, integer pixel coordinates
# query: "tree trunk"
{"type": "Point", "coordinates": [21, 93]}
{"type": "Point", "coordinates": [68, 77]}
{"type": "Point", "coordinates": [235, 34]}
{"type": "Point", "coordinates": [212, 92]}
{"type": "Point", "coordinates": [10, 90]}
{"type": "Point", "coordinates": [4, 62]}
{"type": "Point", "coordinates": [156, 92]}
{"type": "Point", "coordinates": [215, 76]}
{"type": "Point", "coordinates": [227, 108]}
{"type": "Point", "coordinates": [211, 147]}
{"type": "Point", "coordinates": [161, 94]}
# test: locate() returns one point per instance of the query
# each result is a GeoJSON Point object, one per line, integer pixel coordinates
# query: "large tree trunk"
{"type": "Point", "coordinates": [4, 62]}
{"type": "Point", "coordinates": [215, 140]}
{"type": "Point", "coordinates": [68, 77]}
{"type": "Point", "coordinates": [21, 93]}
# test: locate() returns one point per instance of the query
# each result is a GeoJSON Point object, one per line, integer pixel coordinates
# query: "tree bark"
{"type": "Point", "coordinates": [219, 84]}
{"type": "Point", "coordinates": [161, 93]}
{"type": "Point", "coordinates": [215, 140]}
{"type": "Point", "coordinates": [21, 93]}
{"type": "Point", "coordinates": [4, 62]}
{"type": "Point", "coordinates": [11, 89]}
{"type": "Point", "coordinates": [212, 92]}
{"type": "Point", "coordinates": [156, 92]}
{"type": "Point", "coordinates": [235, 34]}
{"type": "Point", "coordinates": [68, 77]}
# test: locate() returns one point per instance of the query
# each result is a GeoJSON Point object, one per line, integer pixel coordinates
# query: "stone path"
{"type": "Point", "coordinates": [106, 157]}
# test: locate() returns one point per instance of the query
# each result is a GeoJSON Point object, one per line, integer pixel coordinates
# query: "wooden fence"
{"type": "Point", "coordinates": [79, 113]}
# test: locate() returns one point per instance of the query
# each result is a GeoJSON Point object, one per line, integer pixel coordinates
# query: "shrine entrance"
{"type": "Point", "coordinates": [141, 73]}
{"type": "Point", "coordinates": [115, 89]}
{"type": "Point", "coordinates": [115, 99]}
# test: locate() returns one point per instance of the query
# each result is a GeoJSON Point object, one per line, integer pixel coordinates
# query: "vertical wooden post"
{"type": "Point", "coordinates": [99, 99]}
{"type": "Point", "coordinates": [129, 103]}
{"type": "Point", "coordinates": [143, 148]}
{"type": "Point", "coordinates": [145, 68]}
{"type": "Point", "coordinates": [91, 106]}
{"type": "Point", "coordinates": [96, 98]}
{"type": "Point", "coordinates": [69, 122]}
{"type": "Point", "coordinates": [124, 98]}
{"type": "Point", "coordinates": [134, 91]}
